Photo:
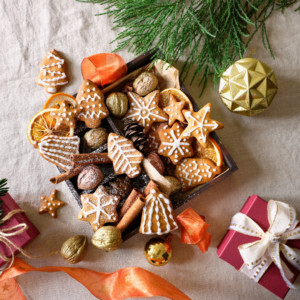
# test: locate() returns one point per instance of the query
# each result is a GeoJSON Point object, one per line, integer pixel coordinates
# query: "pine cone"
{"type": "Point", "coordinates": [135, 133]}
{"type": "Point", "coordinates": [121, 186]}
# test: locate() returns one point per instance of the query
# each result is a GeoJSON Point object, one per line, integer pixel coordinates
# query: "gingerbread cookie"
{"type": "Point", "coordinates": [57, 150]}
{"type": "Point", "coordinates": [51, 204]}
{"type": "Point", "coordinates": [53, 72]}
{"type": "Point", "coordinates": [99, 208]}
{"type": "Point", "coordinates": [174, 110]}
{"type": "Point", "coordinates": [200, 124]}
{"type": "Point", "coordinates": [145, 110]}
{"type": "Point", "coordinates": [91, 101]}
{"type": "Point", "coordinates": [126, 159]}
{"type": "Point", "coordinates": [194, 171]}
{"type": "Point", "coordinates": [158, 215]}
{"type": "Point", "coordinates": [65, 115]}
{"type": "Point", "coordinates": [173, 145]}
{"type": "Point", "coordinates": [153, 138]}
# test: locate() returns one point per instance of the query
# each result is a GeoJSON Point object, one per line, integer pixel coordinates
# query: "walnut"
{"type": "Point", "coordinates": [117, 104]}
{"type": "Point", "coordinates": [95, 138]}
{"type": "Point", "coordinates": [89, 178]}
{"type": "Point", "coordinates": [145, 83]}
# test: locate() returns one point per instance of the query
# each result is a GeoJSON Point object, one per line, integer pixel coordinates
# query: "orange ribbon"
{"type": "Point", "coordinates": [125, 283]}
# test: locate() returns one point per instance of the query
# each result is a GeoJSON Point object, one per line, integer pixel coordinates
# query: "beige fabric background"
{"type": "Point", "coordinates": [265, 148]}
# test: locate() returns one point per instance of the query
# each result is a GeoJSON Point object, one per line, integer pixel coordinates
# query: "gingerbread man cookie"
{"type": "Point", "coordinates": [53, 72]}
{"type": "Point", "coordinates": [51, 204]}
{"type": "Point", "coordinates": [65, 115]}
{"type": "Point", "coordinates": [194, 171]}
{"type": "Point", "coordinates": [57, 150]}
{"type": "Point", "coordinates": [126, 159]}
{"type": "Point", "coordinates": [145, 110]}
{"type": "Point", "coordinates": [174, 110]}
{"type": "Point", "coordinates": [173, 145]}
{"type": "Point", "coordinates": [99, 208]}
{"type": "Point", "coordinates": [91, 101]}
{"type": "Point", "coordinates": [200, 124]}
{"type": "Point", "coordinates": [158, 215]}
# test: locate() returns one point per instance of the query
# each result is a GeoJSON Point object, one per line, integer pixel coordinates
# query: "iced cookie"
{"type": "Point", "coordinates": [173, 145]}
{"type": "Point", "coordinates": [194, 171]}
{"type": "Point", "coordinates": [51, 204]}
{"type": "Point", "coordinates": [99, 208]}
{"type": "Point", "coordinates": [158, 215]}
{"type": "Point", "coordinates": [145, 110]}
{"type": "Point", "coordinates": [53, 72]}
{"type": "Point", "coordinates": [65, 115]}
{"type": "Point", "coordinates": [200, 124]}
{"type": "Point", "coordinates": [91, 101]}
{"type": "Point", "coordinates": [126, 159]}
{"type": "Point", "coordinates": [57, 150]}
{"type": "Point", "coordinates": [174, 110]}
{"type": "Point", "coordinates": [153, 138]}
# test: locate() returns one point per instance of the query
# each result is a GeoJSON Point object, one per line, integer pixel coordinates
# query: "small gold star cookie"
{"type": "Point", "coordinates": [200, 124]}
{"type": "Point", "coordinates": [50, 204]}
{"type": "Point", "coordinates": [145, 110]}
{"type": "Point", "coordinates": [173, 145]}
{"type": "Point", "coordinates": [99, 208]}
{"type": "Point", "coordinates": [174, 110]}
{"type": "Point", "coordinates": [65, 115]}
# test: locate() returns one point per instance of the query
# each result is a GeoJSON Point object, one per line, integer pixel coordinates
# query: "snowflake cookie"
{"type": "Point", "coordinates": [53, 72]}
{"type": "Point", "coordinates": [145, 110]}
{"type": "Point", "coordinates": [51, 204]}
{"type": "Point", "coordinates": [99, 208]}
{"type": "Point", "coordinates": [194, 171]}
{"type": "Point", "coordinates": [91, 101]}
{"type": "Point", "coordinates": [158, 215]}
{"type": "Point", "coordinates": [126, 159]}
{"type": "Point", "coordinates": [173, 146]}
{"type": "Point", "coordinates": [200, 124]}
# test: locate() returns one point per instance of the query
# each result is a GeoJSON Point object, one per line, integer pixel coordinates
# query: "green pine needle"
{"type": "Point", "coordinates": [211, 34]}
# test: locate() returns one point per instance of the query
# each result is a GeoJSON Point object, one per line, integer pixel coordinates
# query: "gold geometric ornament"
{"type": "Point", "coordinates": [248, 87]}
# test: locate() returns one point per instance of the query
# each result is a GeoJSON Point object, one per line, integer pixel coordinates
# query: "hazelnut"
{"type": "Point", "coordinates": [156, 162]}
{"type": "Point", "coordinates": [117, 104]}
{"type": "Point", "coordinates": [89, 178]}
{"type": "Point", "coordinates": [145, 83]}
{"type": "Point", "coordinates": [95, 138]}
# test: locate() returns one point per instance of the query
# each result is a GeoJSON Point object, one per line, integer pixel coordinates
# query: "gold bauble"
{"type": "Point", "coordinates": [158, 251]}
{"type": "Point", "coordinates": [74, 249]}
{"type": "Point", "coordinates": [248, 87]}
{"type": "Point", "coordinates": [107, 238]}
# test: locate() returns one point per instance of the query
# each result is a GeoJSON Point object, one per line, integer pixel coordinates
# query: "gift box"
{"type": "Point", "coordinates": [256, 209]}
{"type": "Point", "coordinates": [112, 124]}
{"type": "Point", "coordinates": [22, 239]}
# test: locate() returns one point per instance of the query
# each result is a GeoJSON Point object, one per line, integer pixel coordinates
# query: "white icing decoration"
{"type": "Point", "coordinates": [143, 110]}
{"type": "Point", "coordinates": [89, 97]}
{"type": "Point", "coordinates": [197, 125]}
{"type": "Point", "coordinates": [121, 157]}
{"type": "Point", "coordinates": [157, 205]}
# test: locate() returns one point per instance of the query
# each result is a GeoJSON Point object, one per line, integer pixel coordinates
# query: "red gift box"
{"type": "Point", "coordinates": [22, 239]}
{"type": "Point", "coordinates": [256, 209]}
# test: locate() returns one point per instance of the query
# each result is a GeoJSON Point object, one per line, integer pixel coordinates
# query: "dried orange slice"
{"type": "Point", "coordinates": [42, 125]}
{"type": "Point", "coordinates": [55, 100]}
{"type": "Point", "coordinates": [180, 95]}
{"type": "Point", "coordinates": [212, 152]}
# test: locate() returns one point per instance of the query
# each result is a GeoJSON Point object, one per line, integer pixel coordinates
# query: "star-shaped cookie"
{"type": "Point", "coordinates": [50, 204]}
{"type": "Point", "coordinates": [200, 124]}
{"type": "Point", "coordinates": [145, 110]}
{"type": "Point", "coordinates": [173, 145]}
{"type": "Point", "coordinates": [65, 115]}
{"type": "Point", "coordinates": [99, 208]}
{"type": "Point", "coordinates": [174, 110]}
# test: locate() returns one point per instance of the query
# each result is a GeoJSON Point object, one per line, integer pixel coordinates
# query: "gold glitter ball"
{"type": "Point", "coordinates": [158, 251]}
{"type": "Point", "coordinates": [248, 87]}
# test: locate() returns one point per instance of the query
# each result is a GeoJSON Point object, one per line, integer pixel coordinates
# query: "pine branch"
{"type": "Point", "coordinates": [211, 34]}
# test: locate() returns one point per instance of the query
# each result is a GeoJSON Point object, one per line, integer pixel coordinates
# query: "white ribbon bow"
{"type": "Point", "coordinates": [259, 255]}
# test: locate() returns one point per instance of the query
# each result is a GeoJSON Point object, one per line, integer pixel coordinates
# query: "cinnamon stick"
{"type": "Point", "coordinates": [64, 176]}
{"type": "Point", "coordinates": [131, 214]}
{"type": "Point", "coordinates": [152, 184]}
{"type": "Point", "coordinates": [89, 158]}
{"type": "Point", "coordinates": [134, 195]}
